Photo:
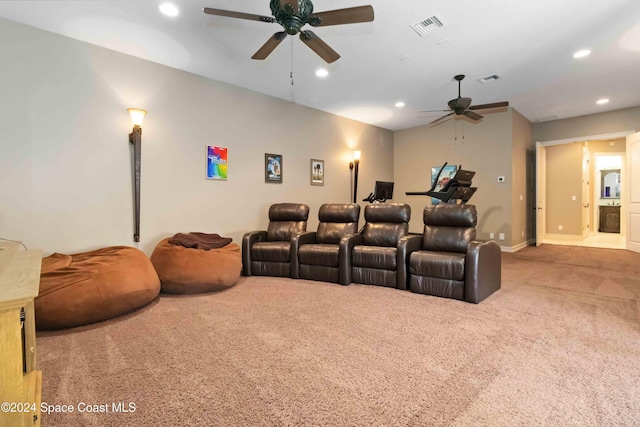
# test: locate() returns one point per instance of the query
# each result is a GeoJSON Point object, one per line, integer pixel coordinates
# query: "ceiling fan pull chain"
{"type": "Point", "coordinates": [291, 75]}
{"type": "Point", "coordinates": [455, 130]}
{"type": "Point", "coordinates": [293, 90]}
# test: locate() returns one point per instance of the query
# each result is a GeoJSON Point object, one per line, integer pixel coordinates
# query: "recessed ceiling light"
{"type": "Point", "coordinates": [582, 53]}
{"type": "Point", "coordinates": [602, 101]}
{"type": "Point", "coordinates": [321, 72]}
{"type": "Point", "coordinates": [168, 9]}
{"type": "Point", "coordinates": [400, 104]}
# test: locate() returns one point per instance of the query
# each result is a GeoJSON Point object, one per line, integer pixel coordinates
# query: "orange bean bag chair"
{"type": "Point", "coordinates": [93, 286]}
{"type": "Point", "coordinates": [190, 270]}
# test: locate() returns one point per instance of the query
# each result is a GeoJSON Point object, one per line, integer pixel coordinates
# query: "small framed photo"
{"type": "Point", "coordinates": [273, 168]}
{"type": "Point", "coordinates": [217, 162]}
{"type": "Point", "coordinates": [317, 172]}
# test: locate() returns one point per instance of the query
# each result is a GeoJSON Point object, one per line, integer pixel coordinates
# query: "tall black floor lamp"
{"type": "Point", "coordinates": [352, 165]}
{"type": "Point", "coordinates": [135, 138]}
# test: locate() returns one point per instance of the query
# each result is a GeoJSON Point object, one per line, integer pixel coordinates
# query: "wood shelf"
{"type": "Point", "coordinates": [21, 382]}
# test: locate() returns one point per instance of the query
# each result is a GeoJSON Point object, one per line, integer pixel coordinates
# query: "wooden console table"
{"type": "Point", "coordinates": [20, 382]}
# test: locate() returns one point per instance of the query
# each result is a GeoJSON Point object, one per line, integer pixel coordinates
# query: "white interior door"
{"type": "Point", "coordinates": [631, 190]}
{"type": "Point", "coordinates": [541, 192]}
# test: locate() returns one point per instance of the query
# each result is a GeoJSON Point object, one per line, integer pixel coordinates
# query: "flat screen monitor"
{"type": "Point", "coordinates": [383, 190]}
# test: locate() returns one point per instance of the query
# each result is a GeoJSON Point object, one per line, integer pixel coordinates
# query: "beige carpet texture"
{"type": "Point", "coordinates": [558, 345]}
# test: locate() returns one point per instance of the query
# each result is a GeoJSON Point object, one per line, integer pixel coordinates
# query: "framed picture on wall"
{"type": "Point", "coordinates": [317, 172]}
{"type": "Point", "coordinates": [273, 168]}
{"type": "Point", "coordinates": [217, 162]}
{"type": "Point", "coordinates": [447, 175]}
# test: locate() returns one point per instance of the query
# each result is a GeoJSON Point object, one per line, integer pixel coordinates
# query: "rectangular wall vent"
{"type": "Point", "coordinates": [547, 118]}
{"type": "Point", "coordinates": [491, 78]}
{"type": "Point", "coordinates": [428, 26]}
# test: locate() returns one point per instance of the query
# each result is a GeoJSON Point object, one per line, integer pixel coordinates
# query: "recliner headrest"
{"type": "Point", "coordinates": [387, 212]}
{"type": "Point", "coordinates": [339, 212]}
{"type": "Point", "coordinates": [288, 212]}
{"type": "Point", "coordinates": [449, 214]}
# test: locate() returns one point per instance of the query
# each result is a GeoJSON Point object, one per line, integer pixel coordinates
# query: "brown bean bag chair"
{"type": "Point", "coordinates": [188, 270]}
{"type": "Point", "coordinates": [93, 286]}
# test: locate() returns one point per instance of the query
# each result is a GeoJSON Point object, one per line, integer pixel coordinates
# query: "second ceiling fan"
{"type": "Point", "coordinates": [292, 15]}
{"type": "Point", "coordinates": [462, 106]}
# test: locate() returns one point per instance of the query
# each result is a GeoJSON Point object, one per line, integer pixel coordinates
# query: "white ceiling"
{"type": "Point", "coordinates": [529, 44]}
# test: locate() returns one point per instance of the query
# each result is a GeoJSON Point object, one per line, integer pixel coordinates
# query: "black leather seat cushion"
{"type": "Point", "coordinates": [271, 251]}
{"type": "Point", "coordinates": [441, 265]}
{"type": "Point", "coordinates": [374, 257]}
{"type": "Point", "coordinates": [319, 254]}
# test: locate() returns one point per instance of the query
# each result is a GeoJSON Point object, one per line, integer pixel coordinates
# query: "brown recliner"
{"type": "Point", "coordinates": [268, 253]}
{"type": "Point", "coordinates": [379, 253]}
{"type": "Point", "coordinates": [324, 254]}
{"type": "Point", "coordinates": [450, 263]}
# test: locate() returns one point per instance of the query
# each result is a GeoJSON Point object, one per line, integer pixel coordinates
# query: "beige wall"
{"type": "Point", "coordinates": [523, 172]}
{"type": "Point", "coordinates": [66, 161]}
{"type": "Point", "coordinates": [564, 181]}
{"type": "Point", "coordinates": [593, 124]}
{"type": "Point", "coordinates": [487, 148]}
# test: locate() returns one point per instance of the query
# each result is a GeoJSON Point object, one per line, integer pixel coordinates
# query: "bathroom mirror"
{"type": "Point", "coordinates": [610, 184]}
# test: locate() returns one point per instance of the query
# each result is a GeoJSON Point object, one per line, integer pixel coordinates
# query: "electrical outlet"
{"type": "Point", "coordinates": [492, 235]}
{"type": "Point", "coordinates": [560, 227]}
{"type": "Point", "coordinates": [501, 236]}
{"type": "Point", "coordinates": [574, 198]}
{"type": "Point", "coordinates": [521, 197]}
{"type": "Point", "coordinates": [522, 233]}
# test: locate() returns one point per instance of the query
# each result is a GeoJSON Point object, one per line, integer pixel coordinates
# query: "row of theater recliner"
{"type": "Point", "coordinates": [444, 261]}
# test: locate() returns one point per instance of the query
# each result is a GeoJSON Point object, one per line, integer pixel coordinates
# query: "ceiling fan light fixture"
{"type": "Point", "coordinates": [602, 101]}
{"type": "Point", "coordinates": [321, 72]}
{"type": "Point", "coordinates": [169, 9]}
{"type": "Point", "coordinates": [400, 104]}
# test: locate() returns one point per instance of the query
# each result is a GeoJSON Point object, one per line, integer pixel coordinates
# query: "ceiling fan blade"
{"type": "Point", "coordinates": [318, 46]}
{"type": "Point", "coordinates": [434, 111]}
{"type": "Point", "coordinates": [294, 4]}
{"type": "Point", "coordinates": [493, 105]}
{"type": "Point", "coordinates": [441, 119]}
{"type": "Point", "coordinates": [349, 15]}
{"type": "Point", "coordinates": [270, 45]}
{"type": "Point", "coordinates": [241, 15]}
{"type": "Point", "coordinates": [472, 115]}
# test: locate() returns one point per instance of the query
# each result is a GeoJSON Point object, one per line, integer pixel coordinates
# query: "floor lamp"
{"type": "Point", "coordinates": [352, 165]}
{"type": "Point", "coordinates": [135, 138]}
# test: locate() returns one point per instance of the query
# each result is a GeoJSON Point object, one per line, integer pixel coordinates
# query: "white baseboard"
{"type": "Point", "coordinates": [562, 237]}
{"type": "Point", "coordinates": [516, 248]}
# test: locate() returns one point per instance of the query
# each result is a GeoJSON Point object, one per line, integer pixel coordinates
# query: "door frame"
{"type": "Point", "coordinates": [541, 175]}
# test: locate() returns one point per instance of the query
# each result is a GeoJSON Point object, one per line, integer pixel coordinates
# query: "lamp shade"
{"type": "Point", "coordinates": [356, 155]}
{"type": "Point", "coordinates": [137, 115]}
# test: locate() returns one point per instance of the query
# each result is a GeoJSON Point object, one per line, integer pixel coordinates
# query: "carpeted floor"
{"type": "Point", "coordinates": [558, 345]}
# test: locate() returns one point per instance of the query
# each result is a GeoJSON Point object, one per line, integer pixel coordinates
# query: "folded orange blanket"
{"type": "Point", "coordinates": [200, 240]}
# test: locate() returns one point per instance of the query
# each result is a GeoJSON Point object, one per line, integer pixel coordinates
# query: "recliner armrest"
{"type": "Point", "coordinates": [302, 238]}
{"type": "Point", "coordinates": [247, 241]}
{"type": "Point", "coordinates": [406, 245]}
{"type": "Point", "coordinates": [345, 249]}
{"type": "Point", "coordinates": [483, 273]}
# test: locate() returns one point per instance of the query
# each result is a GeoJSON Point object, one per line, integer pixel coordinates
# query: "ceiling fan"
{"type": "Point", "coordinates": [462, 106]}
{"type": "Point", "coordinates": [293, 15]}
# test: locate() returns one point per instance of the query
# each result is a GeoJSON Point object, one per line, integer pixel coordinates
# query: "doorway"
{"type": "Point", "coordinates": [594, 195]}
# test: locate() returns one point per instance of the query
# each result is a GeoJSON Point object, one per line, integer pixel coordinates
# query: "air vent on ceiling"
{"type": "Point", "coordinates": [491, 78]}
{"type": "Point", "coordinates": [547, 118]}
{"type": "Point", "coordinates": [428, 25]}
